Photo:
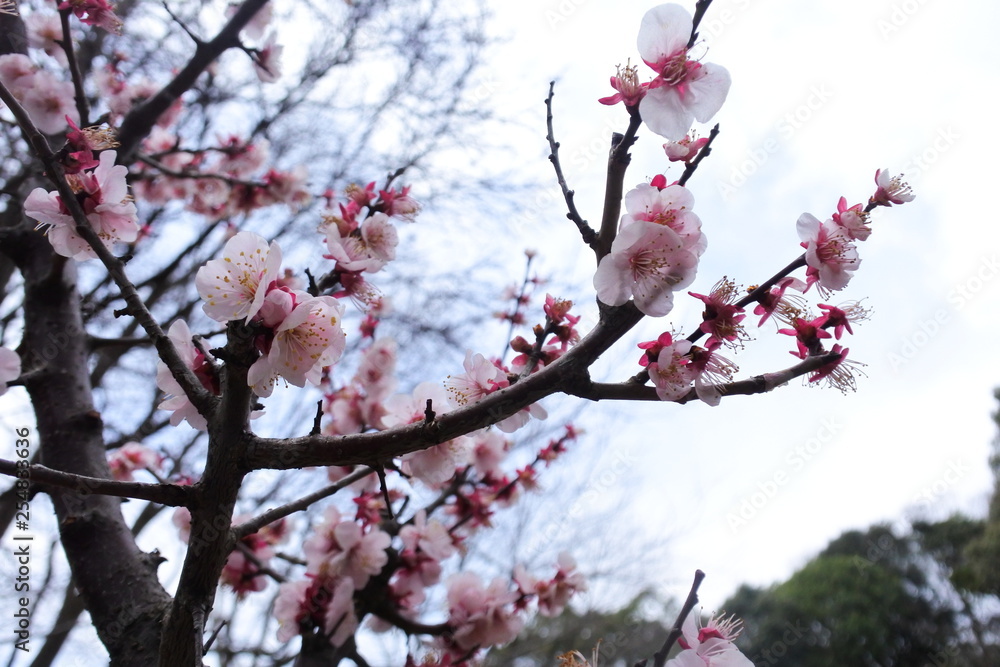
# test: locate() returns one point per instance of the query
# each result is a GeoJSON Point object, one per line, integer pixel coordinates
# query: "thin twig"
{"type": "Point", "coordinates": [586, 231]}
{"type": "Point", "coordinates": [270, 516]}
{"type": "Point", "coordinates": [660, 657]}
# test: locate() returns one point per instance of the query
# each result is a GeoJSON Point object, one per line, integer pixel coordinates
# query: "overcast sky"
{"type": "Point", "coordinates": [823, 94]}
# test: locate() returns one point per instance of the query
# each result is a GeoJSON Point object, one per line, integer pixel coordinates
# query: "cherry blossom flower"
{"type": "Point", "coordinates": [626, 82]}
{"type": "Point", "coordinates": [130, 457]}
{"type": "Point", "coordinates": [684, 150]}
{"type": "Point", "coordinates": [684, 89]}
{"type": "Point", "coordinates": [481, 616]}
{"type": "Point", "coordinates": [200, 363]}
{"type": "Point", "coordinates": [710, 645]}
{"type": "Point", "coordinates": [105, 201]}
{"type": "Point", "coordinates": [49, 102]}
{"type": "Point", "coordinates": [242, 571]}
{"type": "Point", "coordinates": [234, 287]}
{"type": "Point", "coordinates": [838, 373]}
{"type": "Point", "coordinates": [341, 549]}
{"type": "Point", "coordinates": [839, 318]}
{"type": "Point", "coordinates": [481, 378]}
{"type": "Point", "coordinates": [830, 253]}
{"type": "Point", "coordinates": [711, 372]}
{"type": "Point", "coordinates": [327, 604]}
{"type": "Point", "coordinates": [891, 190]}
{"type": "Point", "coordinates": [553, 595]}
{"type": "Point", "coordinates": [94, 12]}
{"type": "Point", "coordinates": [853, 220]}
{"type": "Point", "coordinates": [267, 60]}
{"type": "Point", "coordinates": [668, 205]}
{"type": "Point", "coordinates": [784, 308]}
{"type": "Point", "coordinates": [308, 339]}
{"type": "Point", "coordinates": [368, 248]}
{"type": "Point", "coordinates": [721, 319]}
{"type": "Point", "coordinates": [670, 373]}
{"type": "Point", "coordinates": [648, 261]}
{"type": "Point", "coordinates": [44, 32]}
{"type": "Point", "coordinates": [10, 368]}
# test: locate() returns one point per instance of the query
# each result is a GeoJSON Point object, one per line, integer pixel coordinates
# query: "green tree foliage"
{"type": "Point", "coordinates": [865, 600]}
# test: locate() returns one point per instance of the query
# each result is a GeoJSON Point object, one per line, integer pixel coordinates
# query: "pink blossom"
{"type": "Point", "coordinates": [853, 220]}
{"type": "Point", "coordinates": [684, 150]}
{"type": "Point", "coordinates": [481, 378]}
{"type": "Point", "coordinates": [626, 82]}
{"type": "Point", "coordinates": [481, 616]}
{"type": "Point", "coordinates": [327, 604]}
{"type": "Point", "coordinates": [49, 102]}
{"type": "Point", "coordinates": [267, 60]}
{"type": "Point", "coordinates": [839, 318]}
{"type": "Point", "coordinates": [838, 373]}
{"type": "Point", "coordinates": [669, 205]}
{"type": "Point", "coordinates": [368, 248]}
{"type": "Point", "coordinates": [255, 28]}
{"type": "Point", "coordinates": [94, 12]}
{"type": "Point", "coordinates": [130, 457]}
{"type": "Point", "coordinates": [341, 549]}
{"type": "Point", "coordinates": [891, 190]}
{"type": "Point", "coordinates": [784, 308]}
{"type": "Point", "coordinates": [489, 449]}
{"type": "Point", "coordinates": [711, 372]}
{"type": "Point", "coordinates": [648, 261]}
{"type": "Point", "coordinates": [830, 253]}
{"type": "Point", "coordinates": [410, 408]}
{"type": "Point", "coordinates": [398, 204]}
{"type": "Point", "coordinates": [721, 318]}
{"type": "Point", "coordinates": [10, 368]}
{"type": "Point", "coordinates": [436, 465]}
{"type": "Point", "coordinates": [709, 645]}
{"type": "Point", "coordinates": [44, 31]}
{"type": "Point", "coordinates": [307, 340]}
{"type": "Point", "coordinates": [670, 372]}
{"type": "Point", "coordinates": [196, 360]}
{"type": "Point", "coordinates": [234, 287]}
{"type": "Point", "coordinates": [553, 595]}
{"type": "Point", "coordinates": [429, 536]}
{"type": "Point", "coordinates": [242, 571]}
{"type": "Point", "coordinates": [684, 89]}
{"type": "Point", "coordinates": [105, 201]}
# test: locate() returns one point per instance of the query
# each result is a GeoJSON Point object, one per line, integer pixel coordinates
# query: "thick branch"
{"type": "Point", "coordinates": [618, 162]}
{"type": "Point", "coordinates": [165, 494]}
{"type": "Point", "coordinates": [138, 123]}
{"type": "Point", "coordinates": [369, 448]}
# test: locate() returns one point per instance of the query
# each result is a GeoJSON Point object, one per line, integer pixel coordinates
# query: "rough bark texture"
{"type": "Point", "coordinates": [116, 580]}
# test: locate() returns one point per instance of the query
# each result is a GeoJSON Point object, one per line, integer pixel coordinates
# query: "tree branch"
{"type": "Point", "coordinates": [173, 495]}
